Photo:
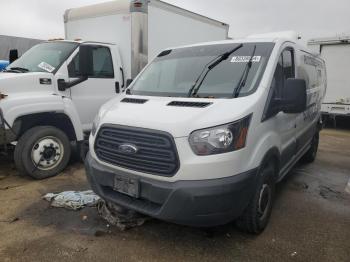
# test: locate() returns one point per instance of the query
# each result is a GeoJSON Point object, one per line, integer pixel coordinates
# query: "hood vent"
{"type": "Point", "coordinates": [134, 100]}
{"type": "Point", "coordinates": [189, 104]}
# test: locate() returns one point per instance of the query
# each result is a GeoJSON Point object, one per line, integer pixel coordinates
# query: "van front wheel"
{"type": "Point", "coordinates": [257, 214]}
{"type": "Point", "coordinates": [42, 152]}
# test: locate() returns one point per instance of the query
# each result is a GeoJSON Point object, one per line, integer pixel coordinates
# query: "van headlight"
{"type": "Point", "coordinates": [220, 139]}
{"type": "Point", "coordinates": [95, 124]}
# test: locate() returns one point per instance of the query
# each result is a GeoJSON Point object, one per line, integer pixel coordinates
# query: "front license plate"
{"type": "Point", "coordinates": [125, 185]}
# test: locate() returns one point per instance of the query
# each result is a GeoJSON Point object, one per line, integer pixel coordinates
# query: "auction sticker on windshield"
{"type": "Point", "coordinates": [47, 67]}
{"type": "Point", "coordinates": [245, 59]}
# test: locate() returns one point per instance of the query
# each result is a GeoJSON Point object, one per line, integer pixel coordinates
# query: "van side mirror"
{"type": "Point", "coordinates": [294, 96]}
{"type": "Point", "coordinates": [86, 60]}
{"type": "Point", "coordinates": [13, 55]}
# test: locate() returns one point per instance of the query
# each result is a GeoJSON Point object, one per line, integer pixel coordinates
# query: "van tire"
{"type": "Point", "coordinates": [310, 155]}
{"type": "Point", "coordinates": [254, 220]}
{"type": "Point", "coordinates": [52, 144]}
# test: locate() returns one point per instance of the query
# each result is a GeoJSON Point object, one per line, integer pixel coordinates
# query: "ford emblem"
{"type": "Point", "coordinates": [128, 149]}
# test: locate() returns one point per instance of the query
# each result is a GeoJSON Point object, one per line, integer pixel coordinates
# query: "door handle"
{"type": "Point", "coordinates": [117, 88]}
{"type": "Point", "coordinates": [123, 80]}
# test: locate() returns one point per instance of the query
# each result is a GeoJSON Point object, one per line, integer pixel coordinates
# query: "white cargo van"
{"type": "Point", "coordinates": [205, 132]}
{"type": "Point", "coordinates": [50, 95]}
{"type": "Point", "coordinates": [336, 53]}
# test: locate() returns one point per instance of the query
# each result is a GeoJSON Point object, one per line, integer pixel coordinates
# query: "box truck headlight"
{"type": "Point", "coordinates": [220, 139]}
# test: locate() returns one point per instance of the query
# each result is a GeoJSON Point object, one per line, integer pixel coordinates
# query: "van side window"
{"type": "Point", "coordinates": [102, 64]}
{"type": "Point", "coordinates": [285, 69]}
{"type": "Point", "coordinates": [288, 64]}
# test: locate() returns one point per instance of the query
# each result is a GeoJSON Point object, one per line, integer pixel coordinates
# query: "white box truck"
{"type": "Point", "coordinates": [336, 53]}
{"type": "Point", "coordinates": [50, 96]}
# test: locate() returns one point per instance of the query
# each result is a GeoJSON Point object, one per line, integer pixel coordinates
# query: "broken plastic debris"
{"type": "Point", "coordinates": [120, 217]}
{"type": "Point", "coordinates": [73, 199]}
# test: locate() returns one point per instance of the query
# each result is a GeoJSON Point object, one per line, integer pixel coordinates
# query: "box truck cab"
{"type": "Point", "coordinates": [51, 94]}
{"type": "Point", "coordinates": [205, 132]}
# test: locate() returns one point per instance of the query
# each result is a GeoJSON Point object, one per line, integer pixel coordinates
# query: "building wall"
{"type": "Point", "coordinates": [11, 42]}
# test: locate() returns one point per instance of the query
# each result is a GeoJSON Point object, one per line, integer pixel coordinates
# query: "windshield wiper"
{"type": "Point", "coordinates": [17, 69]}
{"type": "Point", "coordinates": [243, 79]}
{"type": "Point", "coordinates": [208, 67]}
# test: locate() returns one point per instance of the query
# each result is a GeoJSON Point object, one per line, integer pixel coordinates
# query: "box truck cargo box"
{"type": "Point", "coordinates": [336, 53]}
{"type": "Point", "coordinates": [141, 29]}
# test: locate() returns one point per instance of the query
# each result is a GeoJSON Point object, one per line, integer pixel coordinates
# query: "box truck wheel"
{"type": "Point", "coordinates": [310, 155]}
{"type": "Point", "coordinates": [257, 214]}
{"type": "Point", "coordinates": [42, 152]}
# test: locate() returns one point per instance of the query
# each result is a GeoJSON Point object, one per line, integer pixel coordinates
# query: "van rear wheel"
{"type": "Point", "coordinates": [257, 214]}
{"type": "Point", "coordinates": [310, 155]}
{"type": "Point", "coordinates": [42, 152]}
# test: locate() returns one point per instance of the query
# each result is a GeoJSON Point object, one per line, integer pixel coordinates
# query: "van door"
{"type": "Point", "coordinates": [102, 85]}
{"type": "Point", "coordinates": [283, 124]}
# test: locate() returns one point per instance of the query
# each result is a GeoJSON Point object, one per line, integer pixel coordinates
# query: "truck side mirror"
{"type": "Point", "coordinates": [61, 85]}
{"type": "Point", "coordinates": [294, 96]}
{"type": "Point", "coordinates": [86, 60]}
{"type": "Point", "coordinates": [13, 55]}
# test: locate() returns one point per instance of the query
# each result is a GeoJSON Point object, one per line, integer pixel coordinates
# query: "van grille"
{"type": "Point", "coordinates": [156, 152]}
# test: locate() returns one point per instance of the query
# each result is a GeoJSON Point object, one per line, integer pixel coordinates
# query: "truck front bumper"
{"type": "Point", "coordinates": [201, 203]}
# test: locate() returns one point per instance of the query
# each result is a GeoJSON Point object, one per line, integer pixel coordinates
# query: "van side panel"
{"type": "Point", "coordinates": [166, 22]}
{"type": "Point", "coordinates": [312, 70]}
{"type": "Point", "coordinates": [114, 29]}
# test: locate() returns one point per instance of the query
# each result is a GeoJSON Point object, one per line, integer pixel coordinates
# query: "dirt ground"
{"type": "Point", "coordinates": [310, 221]}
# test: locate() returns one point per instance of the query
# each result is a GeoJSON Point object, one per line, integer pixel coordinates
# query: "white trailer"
{"type": "Point", "coordinates": [336, 53]}
{"type": "Point", "coordinates": [50, 96]}
{"type": "Point", "coordinates": [141, 29]}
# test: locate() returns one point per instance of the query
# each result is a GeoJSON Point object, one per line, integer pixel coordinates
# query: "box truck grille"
{"type": "Point", "coordinates": [134, 100]}
{"type": "Point", "coordinates": [189, 104]}
{"type": "Point", "coordinates": [156, 151]}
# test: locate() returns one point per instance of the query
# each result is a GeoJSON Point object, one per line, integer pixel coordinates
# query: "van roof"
{"type": "Point", "coordinates": [241, 40]}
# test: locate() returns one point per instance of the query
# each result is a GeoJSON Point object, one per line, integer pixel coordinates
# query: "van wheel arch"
{"type": "Point", "coordinates": [58, 120]}
{"type": "Point", "coordinates": [272, 156]}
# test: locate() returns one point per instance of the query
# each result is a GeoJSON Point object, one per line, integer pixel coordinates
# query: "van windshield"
{"type": "Point", "coordinates": [178, 72]}
{"type": "Point", "coordinates": [44, 57]}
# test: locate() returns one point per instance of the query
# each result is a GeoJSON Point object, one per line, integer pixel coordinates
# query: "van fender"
{"type": "Point", "coordinates": [267, 148]}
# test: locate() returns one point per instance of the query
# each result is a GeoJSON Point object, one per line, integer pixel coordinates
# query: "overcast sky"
{"type": "Point", "coordinates": [311, 18]}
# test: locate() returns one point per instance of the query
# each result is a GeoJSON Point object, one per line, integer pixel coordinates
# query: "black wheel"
{"type": "Point", "coordinates": [257, 214]}
{"type": "Point", "coordinates": [42, 152]}
{"type": "Point", "coordinates": [310, 155]}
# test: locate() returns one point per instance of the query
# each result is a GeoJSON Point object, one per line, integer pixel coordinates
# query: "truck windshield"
{"type": "Point", "coordinates": [189, 71]}
{"type": "Point", "coordinates": [44, 57]}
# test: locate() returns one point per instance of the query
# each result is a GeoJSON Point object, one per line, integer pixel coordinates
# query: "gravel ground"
{"type": "Point", "coordinates": [310, 221]}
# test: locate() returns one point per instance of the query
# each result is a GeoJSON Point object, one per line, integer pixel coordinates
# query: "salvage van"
{"type": "Point", "coordinates": [205, 131]}
{"type": "Point", "coordinates": [51, 94]}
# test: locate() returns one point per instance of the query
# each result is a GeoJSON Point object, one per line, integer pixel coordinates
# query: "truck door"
{"type": "Point", "coordinates": [283, 124]}
{"type": "Point", "coordinates": [102, 85]}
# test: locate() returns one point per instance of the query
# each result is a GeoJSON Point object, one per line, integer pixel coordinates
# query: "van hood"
{"type": "Point", "coordinates": [11, 83]}
{"type": "Point", "coordinates": [178, 120]}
